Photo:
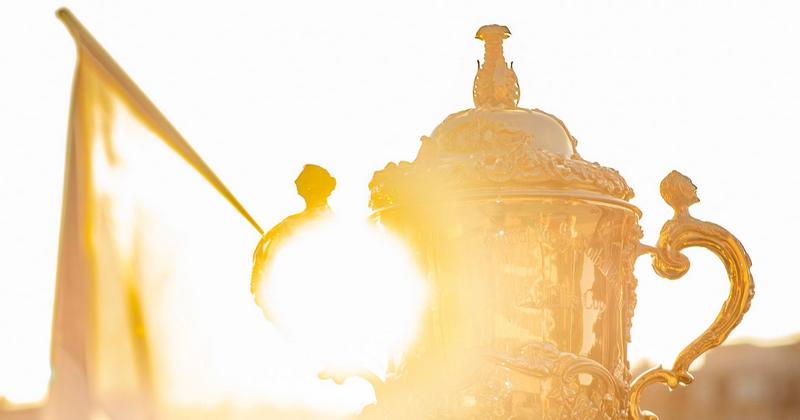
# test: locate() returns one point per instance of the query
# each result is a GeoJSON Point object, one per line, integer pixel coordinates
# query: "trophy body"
{"type": "Point", "coordinates": [531, 307]}
{"type": "Point", "coordinates": [529, 251]}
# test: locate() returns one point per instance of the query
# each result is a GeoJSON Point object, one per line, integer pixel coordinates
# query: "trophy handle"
{"type": "Point", "coordinates": [684, 231]}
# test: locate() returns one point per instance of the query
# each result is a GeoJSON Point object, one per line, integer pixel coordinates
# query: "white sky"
{"type": "Point", "coordinates": [260, 88]}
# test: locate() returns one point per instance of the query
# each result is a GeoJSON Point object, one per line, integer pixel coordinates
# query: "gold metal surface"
{"type": "Point", "coordinates": [496, 83]}
{"type": "Point", "coordinates": [681, 232]}
{"type": "Point", "coordinates": [529, 250]}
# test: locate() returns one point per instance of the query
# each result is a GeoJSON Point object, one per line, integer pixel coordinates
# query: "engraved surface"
{"type": "Point", "coordinates": [523, 283]}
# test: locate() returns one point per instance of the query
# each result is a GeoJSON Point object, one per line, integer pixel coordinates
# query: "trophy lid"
{"type": "Point", "coordinates": [496, 146]}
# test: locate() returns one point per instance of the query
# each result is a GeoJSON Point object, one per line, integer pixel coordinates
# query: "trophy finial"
{"type": "Point", "coordinates": [496, 84]}
{"type": "Point", "coordinates": [315, 185]}
{"type": "Point", "coordinates": [679, 192]}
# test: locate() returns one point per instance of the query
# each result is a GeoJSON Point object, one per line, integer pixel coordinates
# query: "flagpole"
{"type": "Point", "coordinates": [151, 113]}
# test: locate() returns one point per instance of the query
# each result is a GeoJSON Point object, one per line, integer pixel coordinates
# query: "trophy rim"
{"type": "Point", "coordinates": [523, 194]}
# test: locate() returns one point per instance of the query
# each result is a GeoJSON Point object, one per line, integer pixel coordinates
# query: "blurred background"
{"type": "Point", "coordinates": [739, 382]}
{"type": "Point", "coordinates": [261, 88]}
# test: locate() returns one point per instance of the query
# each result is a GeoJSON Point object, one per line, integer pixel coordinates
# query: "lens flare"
{"type": "Point", "coordinates": [348, 292]}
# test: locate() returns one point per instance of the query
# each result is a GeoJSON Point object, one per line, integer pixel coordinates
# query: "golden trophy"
{"type": "Point", "coordinates": [529, 250]}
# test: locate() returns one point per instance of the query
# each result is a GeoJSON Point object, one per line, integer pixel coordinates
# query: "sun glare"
{"type": "Point", "coordinates": [349, 292]}
{"type": "Point", "coordinates": [342, 295]}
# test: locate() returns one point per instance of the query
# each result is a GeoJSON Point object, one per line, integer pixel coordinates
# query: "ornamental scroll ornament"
{"type": "Point", "coordinates": [571, 387]}
{"type": "Point", "coordinates": [684, 231]}
{"type": "Point", "coordinates": [580, 388]}
{"type": "Point", "coordinates": [514, 167]}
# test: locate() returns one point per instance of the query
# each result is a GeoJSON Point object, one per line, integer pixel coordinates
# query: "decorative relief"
{"type": "Point", "coordinates": [537, 381]}
{"type": "Point", "coordinates": [630, 252]}
{"type": "Point", "coordinates": [514, 165]}
{"type": "Point", "coordinates": [604, 248]}
{"type": "Point", "coordinates": [495, 83]}
{"type": "Point", "coordinates": [614, 249]}
{"type": "Point", "coordinates": [574, 387]}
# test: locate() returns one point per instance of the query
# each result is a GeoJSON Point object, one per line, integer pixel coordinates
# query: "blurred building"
{"type": "Point", "coordinates": [736, 382]}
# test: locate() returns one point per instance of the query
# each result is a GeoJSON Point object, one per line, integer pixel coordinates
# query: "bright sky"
{"type": "Point", "coordinates": [708, 88]}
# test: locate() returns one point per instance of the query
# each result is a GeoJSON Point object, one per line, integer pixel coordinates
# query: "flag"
{"type": "Point", "coordinates": [153, 315]}
{"type": "Point", "coordinates": [139, 231]}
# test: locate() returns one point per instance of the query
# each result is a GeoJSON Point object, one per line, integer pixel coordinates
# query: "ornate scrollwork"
{"type": "Point", "coordinates": [613, 248]}
{"type": "Point", "coordinates": [684, 231]}
{"type": "Point", "coordinates": [579, 388]}
{"type": "Point", "coordinates": [571, 387]}
{"type": "Point", "coordinates": [514, 166]}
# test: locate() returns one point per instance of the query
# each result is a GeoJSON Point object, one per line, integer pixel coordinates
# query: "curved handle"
{"type": "Point", "coordinates": [684, 231]}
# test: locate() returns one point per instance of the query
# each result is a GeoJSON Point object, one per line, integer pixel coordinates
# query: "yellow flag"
{"type": "Point", "coordinates": [140, 219]}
